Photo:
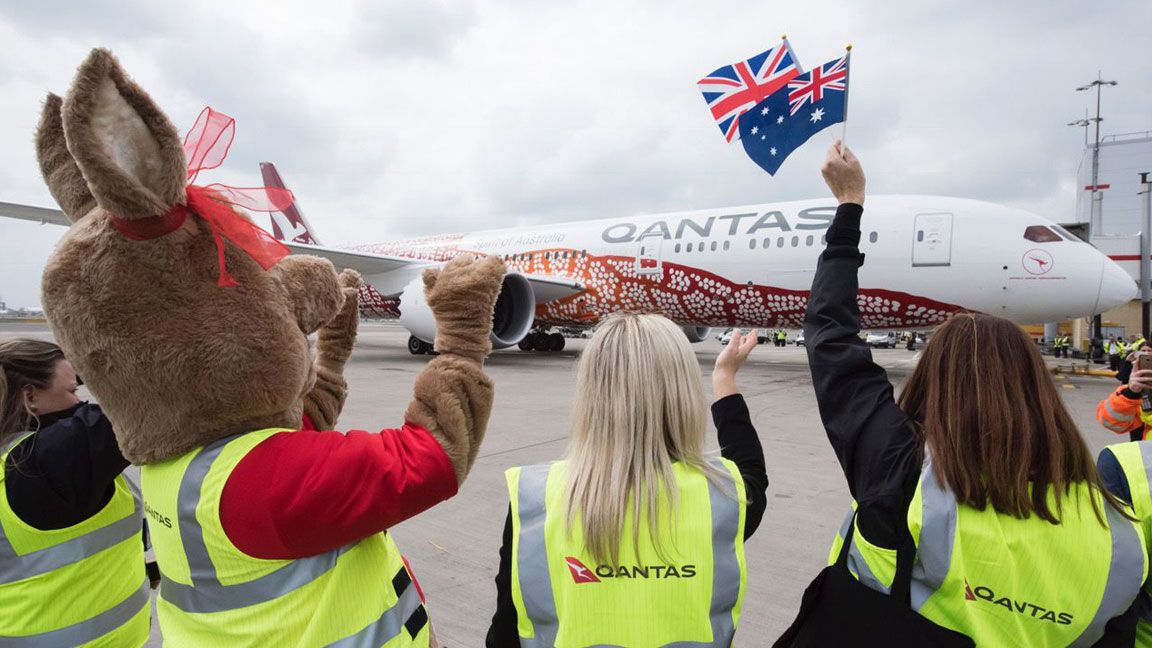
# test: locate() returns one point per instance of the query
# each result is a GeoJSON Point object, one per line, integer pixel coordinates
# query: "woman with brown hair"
{"type": "Point", "coordinates": [71, 555]}
{"type": "Point", "coordinates": [978, 471]}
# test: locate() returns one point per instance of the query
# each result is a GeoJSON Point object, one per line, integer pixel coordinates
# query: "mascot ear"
{"type": "Point", "coordinates": [57, 166]}
{"type": "Point", "coordinates": [129, 153]}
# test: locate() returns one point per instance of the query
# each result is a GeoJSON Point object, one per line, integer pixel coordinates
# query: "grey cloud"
{"type": "Point", "coordinates": [99, 18]}
{"type": "Point", "coordinates": [402, 29]}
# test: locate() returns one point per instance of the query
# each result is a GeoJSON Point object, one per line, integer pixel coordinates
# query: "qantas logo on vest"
{"type": "Point", "coordinates": [582, 574]}
{"type": "Point", "coordinates": [981, 593]}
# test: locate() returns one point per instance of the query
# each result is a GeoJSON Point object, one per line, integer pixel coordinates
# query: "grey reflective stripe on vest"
{"type": "Point", "coordinates": [1124, 574]}
{"type": "Point", "coordinates": [536, 584]}
{"type": "Point", "coordinates": [532, 559]}
{"type": "Point", "coordinates": [207, 593]}
{"type": "Point", "coordinates": [1146, 457]}
{"type": "Point", "coordinates": [938, 535]}
{"type": "Point", "coordinates": [388, 626]}
{"type": "Point", "coordinates": [88, 630]}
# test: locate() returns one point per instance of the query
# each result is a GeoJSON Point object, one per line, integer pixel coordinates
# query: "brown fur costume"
{"type": "Point", "coordinates": [177, 361]}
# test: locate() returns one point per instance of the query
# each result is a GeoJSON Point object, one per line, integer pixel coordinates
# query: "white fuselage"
{"type": "Point", "coordinates": [926, 257]}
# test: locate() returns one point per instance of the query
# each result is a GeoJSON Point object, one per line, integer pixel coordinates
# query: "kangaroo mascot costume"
{"type": "Point", "coordinates": [190, 325]}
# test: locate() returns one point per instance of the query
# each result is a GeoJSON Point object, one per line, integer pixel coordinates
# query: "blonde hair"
{"type": "Point", "coordinates": [639, 407]}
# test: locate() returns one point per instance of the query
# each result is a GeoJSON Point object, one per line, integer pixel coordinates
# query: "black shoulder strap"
{"type": "Point", "coordinates": [905, 554]}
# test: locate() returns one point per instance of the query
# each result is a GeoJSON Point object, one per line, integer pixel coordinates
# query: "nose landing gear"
{"type": "Point", "coordinates": [416, 346]}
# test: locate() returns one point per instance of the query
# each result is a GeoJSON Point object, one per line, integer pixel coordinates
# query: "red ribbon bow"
{"type": "Point", "coordinates": [206, 146]}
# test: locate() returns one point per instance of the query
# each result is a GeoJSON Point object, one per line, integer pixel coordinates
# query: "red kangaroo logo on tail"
{"type": "Point", "coordinates": [580, 573]}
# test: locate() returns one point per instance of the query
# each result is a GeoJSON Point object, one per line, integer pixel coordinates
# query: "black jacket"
{"type": "Point", "coordinates": [738, 444]}
{"type": "Point", "coordinates": [64, 473]}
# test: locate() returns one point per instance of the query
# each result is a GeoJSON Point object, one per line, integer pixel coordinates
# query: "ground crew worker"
{"type": "Point", "coordinates": [781, 338]}
{"type": "Point", "coordinates": [1112, 348]}
{"type": "Point", "coordinates": [1014, 547]}
{"type": "Point", "coordinates": [1126, 471]}
{"type": "Point", "coordinates": [71, 554]}
{"type": "Point", "coordinates": [1122, 411]}
{"type": "Point", "coordinates": [594, 552]}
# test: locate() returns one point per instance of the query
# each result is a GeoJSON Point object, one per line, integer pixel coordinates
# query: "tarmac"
{"type": "Point", "coordinates": [453, 548]}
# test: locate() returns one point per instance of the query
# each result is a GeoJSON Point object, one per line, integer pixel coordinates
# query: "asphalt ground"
{"type": "Point", "coordinates": [453, 547]}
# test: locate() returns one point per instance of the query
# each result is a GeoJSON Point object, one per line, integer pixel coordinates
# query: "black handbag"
{"type": "Point", "coordinates": [838, 610]}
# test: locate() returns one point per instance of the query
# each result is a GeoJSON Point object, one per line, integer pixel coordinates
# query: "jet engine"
{"type": "Point", "coordinates": [696, 333]}
{"type": "Point", "coordinates": [515, 311]}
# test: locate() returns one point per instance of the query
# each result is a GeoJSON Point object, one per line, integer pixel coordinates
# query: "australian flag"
{"type": "Point", "coordinates": [781, 123]}
{"type": "Point", "coordinates": [735, 88]}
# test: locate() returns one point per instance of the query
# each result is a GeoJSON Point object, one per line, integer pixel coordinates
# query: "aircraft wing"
{"type": "Point", "coordinates": [388, 274]}
{"type": "Point", "coordinates": [38, 214]}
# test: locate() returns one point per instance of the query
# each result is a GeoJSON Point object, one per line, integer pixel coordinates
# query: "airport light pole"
{"type": "Point", "coordinates": [1145, 252]}
{"type": "Point", "coordinates": [1096, 216]}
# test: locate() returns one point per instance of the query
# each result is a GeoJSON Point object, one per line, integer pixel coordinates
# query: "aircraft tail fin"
{"type": "Point", "coordinates": [290, 225]}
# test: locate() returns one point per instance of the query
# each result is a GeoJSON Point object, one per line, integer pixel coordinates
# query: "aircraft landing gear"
{"type": "Point", "coordinates": [541, 341]}
{"type": "Point", "coordinates": [416, 346]}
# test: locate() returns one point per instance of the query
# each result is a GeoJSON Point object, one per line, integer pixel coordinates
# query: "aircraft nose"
{"type": "Point", "coordinates": [1116, 287]}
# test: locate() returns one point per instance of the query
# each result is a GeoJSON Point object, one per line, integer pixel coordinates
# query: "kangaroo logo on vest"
{"type": "Point", "coordinates": [157, 517]}
{"type": "Point", "coordinates": [981, 593]}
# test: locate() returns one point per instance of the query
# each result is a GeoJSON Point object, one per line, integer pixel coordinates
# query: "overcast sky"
{"type": "Point", "coordinates": [402, 117]}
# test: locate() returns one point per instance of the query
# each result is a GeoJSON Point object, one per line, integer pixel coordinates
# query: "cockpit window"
{"type": "Point", "coordinates": [1040, 234]}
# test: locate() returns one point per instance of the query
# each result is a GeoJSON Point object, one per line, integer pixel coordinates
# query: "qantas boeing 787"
{"type": "Point", "coordinates": [927, 257]}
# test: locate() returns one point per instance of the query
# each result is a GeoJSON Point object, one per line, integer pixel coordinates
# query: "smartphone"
{"type": "Point", "coordinates": [1143, 360]}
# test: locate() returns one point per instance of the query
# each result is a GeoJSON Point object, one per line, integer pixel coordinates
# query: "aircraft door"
{"type": "Point", "coordinates": [649, 261]}
{"type": "Point", "coordinates": [932, 240]}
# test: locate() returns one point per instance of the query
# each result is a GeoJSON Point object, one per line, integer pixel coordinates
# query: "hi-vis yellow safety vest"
{"type": "Point", "coordinates": [1135, 458]}
{"type": "Point", "coordinates": [690, 597]}
{"type": "Point", "coordinates": [1005, 581]}
{"type": "Point", "coordinates": [81, 585]}
{"type": "Point", "coordinates": [213, 594]}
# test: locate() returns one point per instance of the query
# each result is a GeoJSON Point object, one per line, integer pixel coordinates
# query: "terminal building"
{"type": "Point", "coordinates": [1114, 226]}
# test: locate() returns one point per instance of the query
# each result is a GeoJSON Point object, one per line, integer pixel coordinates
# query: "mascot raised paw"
{"type": "Point", "coordinates": [190, 325]}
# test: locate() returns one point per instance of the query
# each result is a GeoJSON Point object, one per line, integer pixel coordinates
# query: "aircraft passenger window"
{"type": "Point", "coordinates": [808, 241]}
{"type": "Point", "coordinates": [689, 247]}
{"type": "Point", "coordinates": [751, 244]}
{"type": "Point", "coordinates": [872, 237]}
{"type": "Point", "coordinates": [713, 246]}
{"type": "Point", "coordinates": [725, 246]}
{"type": "Point", "coordinates": [677, 248]}
{"type": "Point", "coordinates": [1040, 234]}
{"type": "Point", "coordinates": [795, 241]}
{"type": "Point", "coordinates": [780, 242]}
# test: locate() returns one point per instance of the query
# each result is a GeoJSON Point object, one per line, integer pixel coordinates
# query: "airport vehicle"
{"type": "Point", "coordinates": [800, 338]}
{"type": "Point", "coordinates": [881, 340]}
{"type": "Point", "coordinates": [762, 336]}
{"type": "Point", "coordinates": [746, 266]}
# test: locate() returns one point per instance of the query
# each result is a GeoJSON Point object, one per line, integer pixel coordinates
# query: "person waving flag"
{"type": "Point", "coordinates": [783, 121]}
{"type": "Point", "coordinates": [733, 89]}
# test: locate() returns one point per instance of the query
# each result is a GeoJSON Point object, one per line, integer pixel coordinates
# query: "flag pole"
{"type": "Point", "coordinates": [847, 78]}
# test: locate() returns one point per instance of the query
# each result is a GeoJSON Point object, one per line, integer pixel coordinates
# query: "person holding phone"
{"type": "Point", "coordinates": [1128, 409]}
{"type": "Point", "coordinates": [978, 468]}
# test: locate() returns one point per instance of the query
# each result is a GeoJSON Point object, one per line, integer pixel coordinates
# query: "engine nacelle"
{"type": "Point", "coordinates": [696, 333]}
{"type": "Point", "coordinates": [512, 319]}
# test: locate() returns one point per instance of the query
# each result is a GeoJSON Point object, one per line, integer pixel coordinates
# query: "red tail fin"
{"type": "Point", "coordinates": [288, 226]}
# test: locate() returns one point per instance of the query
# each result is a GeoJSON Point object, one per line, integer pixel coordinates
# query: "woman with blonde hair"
{"type": "Point", "coordinates": [637, 537]}
{"type": "Point", "coordinates": [978, 505]}
{"type": "Point", "coordinates": [71, 555]}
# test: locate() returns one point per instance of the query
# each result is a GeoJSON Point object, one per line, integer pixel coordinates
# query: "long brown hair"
{"type": "Point", "coordinates": [25, 363]}
{"type": "Point", "coordinates": [985, 406]}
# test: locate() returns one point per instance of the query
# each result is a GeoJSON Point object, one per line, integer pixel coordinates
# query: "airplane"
{"type": "Point", "coordinates": [927, 257]}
